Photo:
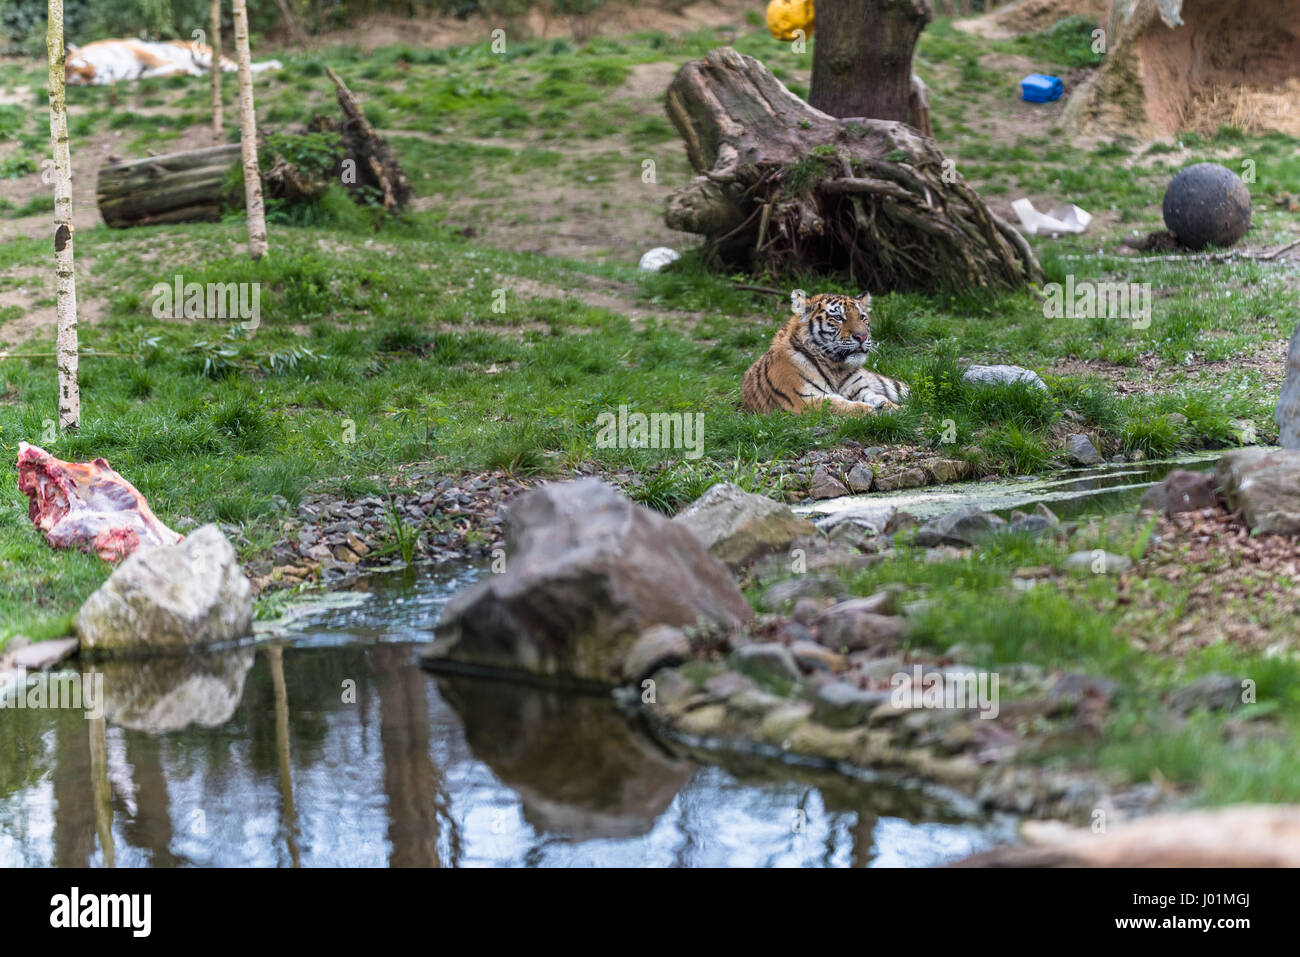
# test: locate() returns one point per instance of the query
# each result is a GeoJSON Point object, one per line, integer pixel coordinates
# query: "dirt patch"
{"type": "Point", "coordinates": [612, 18]}
{"type": "Point", "coordinates": [1032, 16]}
{"type": "Point", "coordinates": [1149, 375]}
{"type": "Point", "coordinates": [1246, 571]}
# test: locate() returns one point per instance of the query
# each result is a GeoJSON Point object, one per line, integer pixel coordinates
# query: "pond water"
{"type": "Point", "coordinates": [325, 744]}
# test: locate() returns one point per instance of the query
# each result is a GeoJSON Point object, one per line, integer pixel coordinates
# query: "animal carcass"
{"type": "Point", "coordinates": [87, 505]}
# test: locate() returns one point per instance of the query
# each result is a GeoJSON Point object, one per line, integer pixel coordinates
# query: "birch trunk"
{"type": "Point", "coordinates": [215, 28]}
{"type": "Point", "coordinates": [248, 136]}
{"type": "Point", "coordinates": [65, 277]}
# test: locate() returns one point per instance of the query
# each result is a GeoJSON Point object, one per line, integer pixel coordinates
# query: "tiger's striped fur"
{"type": "Point", "coordinates": [817, 358]}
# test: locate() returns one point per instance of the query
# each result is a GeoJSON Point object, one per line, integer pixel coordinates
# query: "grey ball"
{"type": "Point", "coordinates": [1207, 204]}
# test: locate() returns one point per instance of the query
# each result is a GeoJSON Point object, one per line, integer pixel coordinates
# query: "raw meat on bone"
{"type": "Point", "coordinates": [87, 505]}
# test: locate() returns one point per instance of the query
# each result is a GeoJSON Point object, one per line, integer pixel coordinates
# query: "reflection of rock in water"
{"type": "Point", "coordinates": [170, 692]}
{"type": "Point", "coordinates": [580, 769]}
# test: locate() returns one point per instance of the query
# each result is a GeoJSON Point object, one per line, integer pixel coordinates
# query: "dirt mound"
{"type": "Point", "coordinates": [1195, 64]}
{"type": "Point", "coordinates": [1032, 16]}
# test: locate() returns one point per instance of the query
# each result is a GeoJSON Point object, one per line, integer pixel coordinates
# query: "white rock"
{"type": "Point", "coordinates": [170, 597]}
{"type": "Point", "coordinates": [657, 258]}
{"type": "Point", "coordinates": [1002, 375]}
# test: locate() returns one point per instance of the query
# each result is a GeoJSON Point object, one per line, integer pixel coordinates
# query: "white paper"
{"type": "Point", "coordinates": [1062, 219]}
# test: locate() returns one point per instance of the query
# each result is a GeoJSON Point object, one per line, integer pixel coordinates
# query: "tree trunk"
{"type": "Point", "coordinates": [785, 187]}
{"type": "Point", "coordinates": [174, 188]}
{"type": "Point", "coordinates": [248, 137]}
{"type": "Point", "coordinates": [65, 277]}
{"type": "Point", "coordinates": [218, 134]}
{"type": "Point", "coordinates": [295, 31]}
{"type": "Point", "coordinates": [862, 58]}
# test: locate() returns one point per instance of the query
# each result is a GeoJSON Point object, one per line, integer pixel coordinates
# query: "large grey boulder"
{"type": "Point", "coordinates": [1287, 413]}
{"type": "Point", "coordinates": [1265, 485]}
{"type": "Point", "coordinates": [170, 597]}
{"type": "Point", "coordinates": [739, 526]}
{"type": "Point", "coordinates": [586, 572]}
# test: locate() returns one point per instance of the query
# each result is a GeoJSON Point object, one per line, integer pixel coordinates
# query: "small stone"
{"type": "Point", "coordinates": [803, 586]}
{"type": "Point", "coordinates": [860, 478]}
{"type": "Point", "coordinates": [948, 470]}
{"type": "Point", "coordinates": [1098, 562]}
{"type": "Point", "coordinates": [876, 669]}
{"type": "Point", "coordinates": [1080, 450]}
{"type": "Point", "coordinates": [766, 661]}
{"type": "Point", "coordinates": [965, 526]}
{"type": "Point", "coordinates": [861, 623]}
{"type": "Point", "coordinates": [1047, 513]}
{"type": "Point", "coordinates": [839, 704]}
{"type": "Point", "coordinates": [40, 655]}
{"type": "Point", "coordinates": [907, 478]}
{"type": "Point", "coordinates": [824, 485]}
{"type": "Point", "coordinates": [1032, 525]}
{"type": "Point", "coordinates": [346, 555]}
{"type": "Point", "coordinates": [807, 609]}
{"type": "Point", "coordinates": [810, 656]}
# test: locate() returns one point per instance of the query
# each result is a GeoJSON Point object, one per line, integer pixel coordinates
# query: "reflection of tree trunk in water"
{"type": "Point", "coordinates": [74, 814]}
{"type": "Point", "coordinates": [864, 845]}
{"type": "Point", "coordinates": [275, 657]}
{"type": "Point", "coordinates": [103, 794]}
{"type": "Point", "coordinates": [411, 781]}
{"type": "Point", "coordinates": [151, 828]}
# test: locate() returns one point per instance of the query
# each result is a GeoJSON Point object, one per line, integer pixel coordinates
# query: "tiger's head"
{"type": "Point", "coordinates": [839, 327]}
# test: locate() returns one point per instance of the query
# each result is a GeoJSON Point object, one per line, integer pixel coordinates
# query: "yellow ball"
{"type": "Point", "coordinates": [784, 17]}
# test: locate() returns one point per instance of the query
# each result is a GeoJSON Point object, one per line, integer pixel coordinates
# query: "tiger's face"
{"type": "Point", "coordinates": [839, 327]}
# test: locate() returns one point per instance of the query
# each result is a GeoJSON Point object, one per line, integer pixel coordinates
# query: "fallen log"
{"type": "Point", "coordinates": [193, 186]}
{"type": "Point", "coordinates": [782, 186]}
{"type": "Point", "coordinates": [173, 188]}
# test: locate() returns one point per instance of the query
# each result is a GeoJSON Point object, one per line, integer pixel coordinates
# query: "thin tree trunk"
{"type": "Point", "coordinates": [65, 277]}
{"type": "Point", "coordinates": [248, 136]}
{"type": "Point", "coordinates": [299, 37]}
{"type": "Point", "coordinates": [215, 28]}
{"type": "Point", "coordinates": [862, 57]}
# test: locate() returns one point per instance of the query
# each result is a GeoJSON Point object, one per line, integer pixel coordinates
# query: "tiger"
{"type": "Point", "coordinates": [109, 61]}
{"type": "Point", "coordinates": [816, 359]}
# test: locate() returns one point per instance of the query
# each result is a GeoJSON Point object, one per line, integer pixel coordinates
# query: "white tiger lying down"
{"type": "Point", "coordinates": [110, 61]}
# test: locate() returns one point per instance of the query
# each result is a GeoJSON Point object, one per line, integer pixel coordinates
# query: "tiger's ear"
{"type": "Point", "coordinates": [799, 302]}
{"type": "Point", "coordinates": [864, 302]}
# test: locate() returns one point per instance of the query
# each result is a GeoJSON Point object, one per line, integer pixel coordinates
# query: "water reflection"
{"type": "Point", "coordinates": [333, 748]}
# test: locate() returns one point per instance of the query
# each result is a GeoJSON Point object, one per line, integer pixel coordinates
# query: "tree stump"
{"type": "Point", "coordinates": [783, 186]}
